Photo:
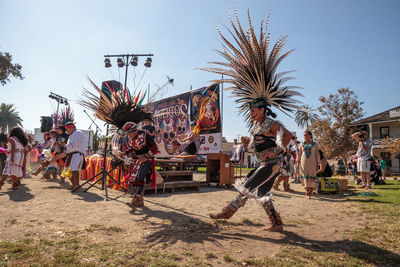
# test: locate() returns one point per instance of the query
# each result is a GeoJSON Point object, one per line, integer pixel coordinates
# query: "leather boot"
{"type": "Point", "coordinates": [286, 186]}
{"type": "Point", "coordinates": [226, 213]}
{"type": "Point", "coordinates": [137, 200]}
{"type": "Point", "coordinates": [276, 222]}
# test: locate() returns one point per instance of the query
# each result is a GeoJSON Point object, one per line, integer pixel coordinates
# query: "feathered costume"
{"type": "Point", "coordinates": [251, 69]}
{"type": "Point", "coordinates": [66, 115]}
{"type": "Point", "coordinates": [124, 112]}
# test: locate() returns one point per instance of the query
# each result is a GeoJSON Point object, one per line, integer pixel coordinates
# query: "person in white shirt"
{"type": "Point", "coordinates": [74, 151]}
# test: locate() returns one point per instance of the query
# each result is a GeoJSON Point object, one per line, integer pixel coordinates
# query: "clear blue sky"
{"type": "Point", "coordinates": [340, 43]}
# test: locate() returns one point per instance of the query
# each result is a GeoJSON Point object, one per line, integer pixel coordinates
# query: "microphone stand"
{"type": "Point", "coordinates": [104, 173]}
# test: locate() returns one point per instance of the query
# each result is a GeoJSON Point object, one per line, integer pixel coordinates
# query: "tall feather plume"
{"type": "Point", "coordinates": [115, 107]}
{"type": "Point", "coordinates": [250, 68]}
{"type": "Point", "coordinates": [63, 117]}
{"type": "Point", "coordinates": [67, 115]}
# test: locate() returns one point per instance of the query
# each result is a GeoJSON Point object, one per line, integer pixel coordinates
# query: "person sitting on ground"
{"type": "Point", "coordinates": [45, 145]}
{"type": "Point", "coordinates": [61, 141]}
{"type": "Point", "coordinates": [349, 168]}
{"type": "Point", "coordinates": [324, 170]}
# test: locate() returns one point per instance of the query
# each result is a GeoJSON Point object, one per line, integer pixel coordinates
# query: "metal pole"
{"type": "Point", "coordinates": [56, 118]}
{"type": "Point", "coordinates": [126, 70]}
{"type": "Point", "coordinates": [148, 93]}
{"type": "Point", "coordinates": [222, 108]}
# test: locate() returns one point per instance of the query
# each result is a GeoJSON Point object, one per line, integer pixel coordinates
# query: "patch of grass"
{"type": "Point", "coordinates": [11, 221]}
{"type": "Point", "coordinates": [297, 256]}
{"type": "Point", "coordinates": [46, 242]}
{"type": "Point", "coordinates": [211, 255]}
{"type": "Point", "coordinates": [381, 231]}
{"type": "Point", "coordinates": [229, 258]}
{"type": "Point", "coordinates": [100, 227]}
{"type": "Point", "coordinates": [66, 257]}
{"type": "Point", "coordinates": [79, 252]}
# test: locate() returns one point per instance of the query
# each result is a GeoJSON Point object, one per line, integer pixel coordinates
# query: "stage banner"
{"type": "Point", "coordinates": [211, 143]}
{"type": "Point", "coordinates": [171, 120]}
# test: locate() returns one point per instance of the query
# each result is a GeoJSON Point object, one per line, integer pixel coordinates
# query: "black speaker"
{"type": "Point", "coordinates": [46, 123]}
{"type": "Point", "coordinates": [114, 85]}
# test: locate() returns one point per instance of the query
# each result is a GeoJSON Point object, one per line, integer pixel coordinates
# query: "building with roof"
{"type": "Point", "coordinates": [380, 126]}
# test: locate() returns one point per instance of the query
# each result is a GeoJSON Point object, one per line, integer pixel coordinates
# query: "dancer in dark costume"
{"type": "Point", "coordinates": [251, 71]}
{"type": "Point", "coordinates": [124, 111]}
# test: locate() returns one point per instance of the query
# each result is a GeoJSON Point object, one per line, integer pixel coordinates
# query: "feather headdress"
{"type": "Point", "coordinates": [116, 107]}
{"type": "Point", "coordinates": [251, 69]}
{"type": "Point", "coordinates": [66, 115]}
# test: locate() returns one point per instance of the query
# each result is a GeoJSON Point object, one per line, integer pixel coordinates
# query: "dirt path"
{"type": "Point", "coordinates": [179, 221]}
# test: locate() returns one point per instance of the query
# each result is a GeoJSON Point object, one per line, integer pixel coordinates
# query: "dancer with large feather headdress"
{"type": "Point", "coordinates": [251, 69]}
{"type": "Point", "coordinates": [124, 112]}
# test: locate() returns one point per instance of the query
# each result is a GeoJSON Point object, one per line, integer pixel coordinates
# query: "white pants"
{"type": "Point", "coordinates": [76, 162]}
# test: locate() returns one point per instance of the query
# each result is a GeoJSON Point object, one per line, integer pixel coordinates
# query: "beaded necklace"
{"type": "Point", "coordinates": [307, 149]}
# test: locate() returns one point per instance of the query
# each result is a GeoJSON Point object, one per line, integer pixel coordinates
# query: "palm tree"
{"type": "Point", "coordinates": [304, 117]}
{"type": "Point", "coordinates": [9, 117]}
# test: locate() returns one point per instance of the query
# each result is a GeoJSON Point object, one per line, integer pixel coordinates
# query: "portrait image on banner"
{"type": "Point", "coordinates": [205, 110]}
{"type": "Point", "coordinates": [205, 113]}
{"type": "Point", "coordinates": [171, 120]}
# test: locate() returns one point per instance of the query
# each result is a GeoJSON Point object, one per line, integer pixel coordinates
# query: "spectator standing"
{"type": "Point", "coordinates": [3, 146]}
{"type": "Point", "coordinates": [383, 167]}
{"type": "Point", "coordinates": [363, 157]}
{"type": "Point", "coordinates": [33, 157]}
{"type": "Point", "coordinates": [13, 167]}
{"type": "Point", "coordinates": [309, 159]}
{"type": "Point", "coordinates": [74, 151]}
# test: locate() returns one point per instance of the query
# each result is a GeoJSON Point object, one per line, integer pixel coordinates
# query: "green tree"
{"type": "Point", "coordinates": [304, 118]}
{"type": "Point", "coordinates": [96, 139]}
{"type": "Point", "coordinates": [9, 117]}
{"type": "Point", "coordinates": [332, 129]}
{"type": "Point", "coordinates": [7, 68]}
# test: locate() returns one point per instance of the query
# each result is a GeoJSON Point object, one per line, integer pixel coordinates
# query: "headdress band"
{"type": "Point", "coordinates": [258, 103]}
{"type": "Point", "coordinates": [128, 127]}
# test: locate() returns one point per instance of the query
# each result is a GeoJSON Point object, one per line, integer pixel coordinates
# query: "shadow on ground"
{"type": "Point", "coordinates": [181, 225]}
{"type": "Point", "coordinates": [353, 248]}
{"type": "Point", "coordinates": [20, 195]}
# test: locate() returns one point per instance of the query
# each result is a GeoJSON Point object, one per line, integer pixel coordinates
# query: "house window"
{"type": "Point", "coordinates": [384, 132]}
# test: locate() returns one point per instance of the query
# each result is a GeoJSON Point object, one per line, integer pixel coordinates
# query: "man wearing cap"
{"type": "Point", "coordinates": [363, 155]}
{"type": "Point", "coordinates": [74, 151]}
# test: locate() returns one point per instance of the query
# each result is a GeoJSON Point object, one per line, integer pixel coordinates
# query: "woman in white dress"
{"type": "Point", "coordinates": [17, 140]}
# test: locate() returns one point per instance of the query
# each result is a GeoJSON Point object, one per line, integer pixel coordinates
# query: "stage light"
{"type": "Point", "coordinates": [120, 62]}
{"type": "Point", "coordinates": [66, 103]}
{"type": "Point", "coordinates": [134, 61]}
{"type": "Point", "coordinates": [61, 101]}
{"type": "Point", "coordinates": [148, 62]}
{"type": "Point", "coordinates": [107, 62]}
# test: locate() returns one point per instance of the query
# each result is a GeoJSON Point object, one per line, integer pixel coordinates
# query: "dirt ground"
{"type": "Point", "coordinates": [177, 220]}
